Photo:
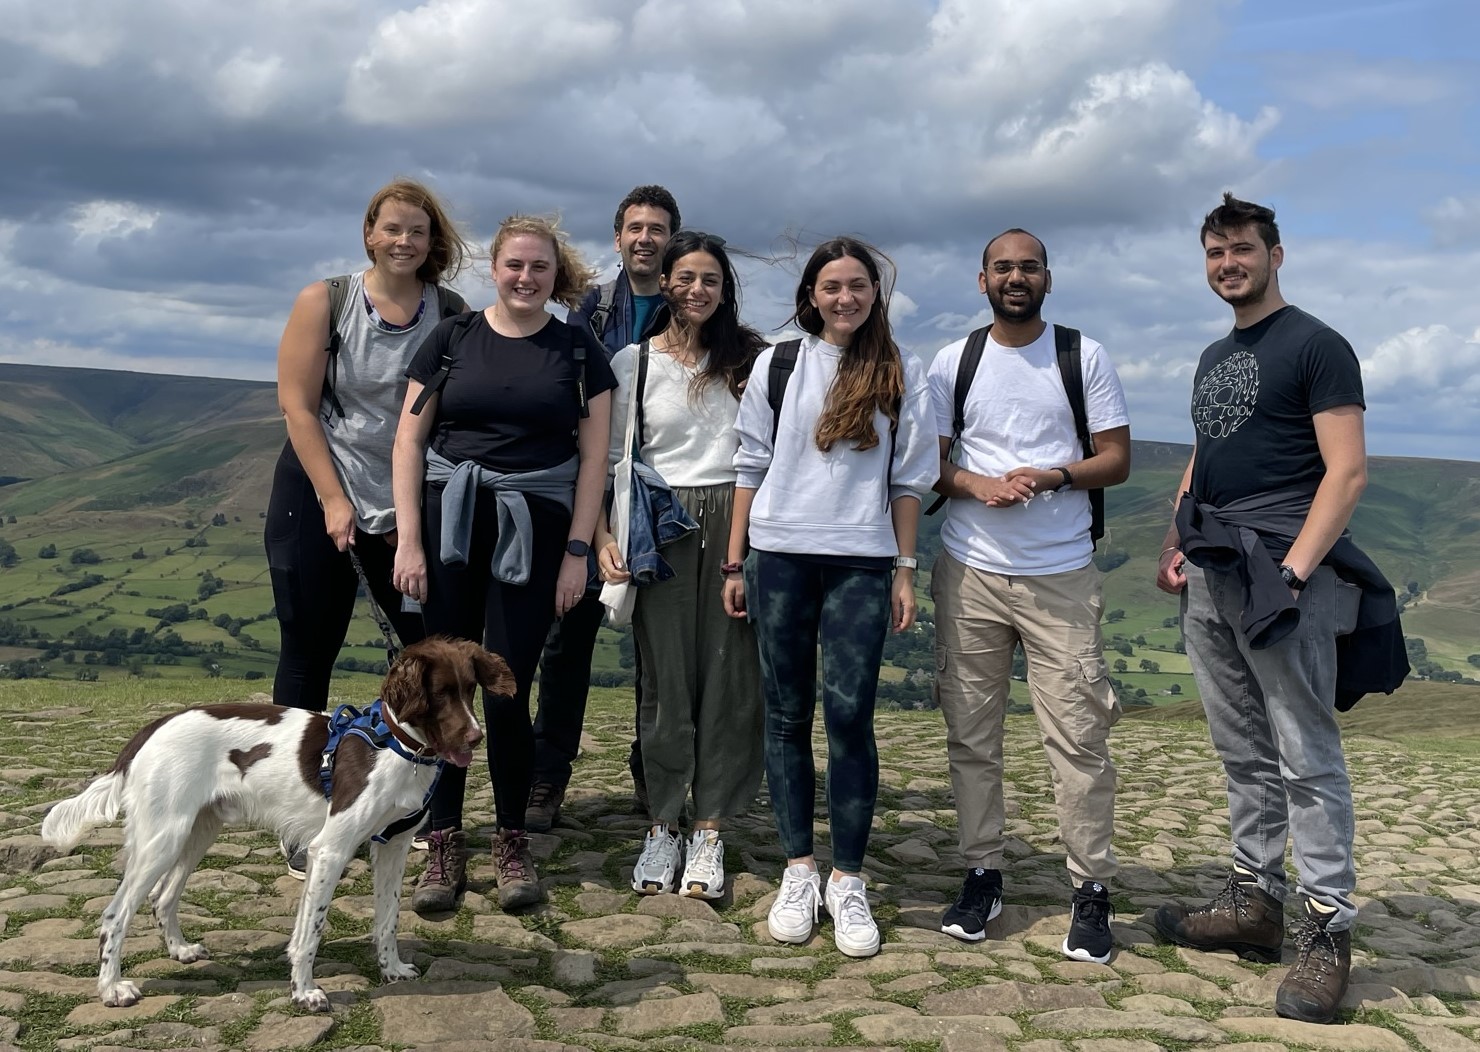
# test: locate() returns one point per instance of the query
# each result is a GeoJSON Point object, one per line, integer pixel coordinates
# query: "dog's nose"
{"type": "Point", "coordinates": [475, 735]}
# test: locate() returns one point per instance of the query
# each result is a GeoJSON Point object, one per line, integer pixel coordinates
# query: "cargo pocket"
{"type": "Point", "coordinates": [1099, 693]}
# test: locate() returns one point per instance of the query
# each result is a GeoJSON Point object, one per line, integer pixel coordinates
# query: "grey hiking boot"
{"type": "Point", "coordinates": [446, 875]}
{"type": "Point", "coordinates": [543, 811]}
{"type": "Point", "coordinates": [518, 885]}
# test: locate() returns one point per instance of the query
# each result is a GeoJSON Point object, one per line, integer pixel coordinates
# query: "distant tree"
{"type": "Point", "coordinates": [1120, 665]}
{"type": "Point", "coordinates": [197, 542]}
{"type": "Point", "coordinates": [1110, 558]}
{"type": "Point", "coordinates": [1123, 647]}
{"type": "Point", "coordinates": [1171, 622]}
{"type": "Point", "coordinates": [169, 551]}
{"type": "Point", "coordinates": [218, 519]}
{"type": "Point", "coordinates": [1413, 588]}
{"type": "Point", "coordinates": [8, 555]}
{"type": "Point", "coordinates": [85, 556]}
{"type": "Point", "coordinates": [1474, 659]}
{"type": "Point", "coordinates": [1175, 688]}
{"type": "Point", "coordinates": [626, 655]}
{"type": "Point", "coordinates": [252, 673]}
{"type": "Point", "coordinates": [140, 554]}
{"type": "Point", "coordinates": [1147, 665]}
{"type": "Point", "coordinates": [1114, 616]}
{"type": "Point", "coordinates": [10, 518]}
{"type": "Point", "coordinates": [48, 551]}
{"type": "Point", "coordinates": [189, 524]}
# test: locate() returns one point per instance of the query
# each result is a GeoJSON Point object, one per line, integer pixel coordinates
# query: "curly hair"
{"type": "Point", "coordinates": [871, 372]}
{"type": "Point", "coordinates": [653, 196]}
{"type": "Point", "coordinates": [731, 345]}
{"type": "Point", "coordinates": [449, 252]}
{"type": "Point", "coordinates": [573, 277]}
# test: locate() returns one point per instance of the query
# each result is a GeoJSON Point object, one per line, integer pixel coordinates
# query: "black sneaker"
{"type": "Point", "coordinates": [297, 860]}
{"type": "Point", "coordinates": [1089, 936]}
{"type": "Point", "coordinates": [980, 900]}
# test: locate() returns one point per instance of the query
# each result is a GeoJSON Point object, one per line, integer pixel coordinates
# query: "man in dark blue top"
{"type": "Point", "coordinates": [1279, 464]}
{"type": "Point", "coordinates": [619, 312]}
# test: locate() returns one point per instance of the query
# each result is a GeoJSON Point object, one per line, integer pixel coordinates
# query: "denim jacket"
{"type": "Point", "coordinates": [658, 519]}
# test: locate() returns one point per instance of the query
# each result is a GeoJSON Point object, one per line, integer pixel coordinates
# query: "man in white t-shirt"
{"type": "Point", "coordinates": [1016, 567]}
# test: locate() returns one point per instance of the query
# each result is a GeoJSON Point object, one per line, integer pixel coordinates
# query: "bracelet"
{"type": "Point", "coordinates": [1068, 478]}
{"type": "Point", "coordinates": [726, 569]}
{"type": "Point", "coordinates": [1173, 548]}
{"type": "Point", "coordinates": [906, 562]}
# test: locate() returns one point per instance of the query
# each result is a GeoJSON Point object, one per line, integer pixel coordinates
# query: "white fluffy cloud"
{"type": "Point", "coordinates": [176, 170]}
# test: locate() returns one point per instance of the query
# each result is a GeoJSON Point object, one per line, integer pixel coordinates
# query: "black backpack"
{"type": "Point", "coordinates": [1066, 343]}
{"type": "Point", "coordinates": [449, 303]}
{"type": "Point", "coordinates": [783, 361]}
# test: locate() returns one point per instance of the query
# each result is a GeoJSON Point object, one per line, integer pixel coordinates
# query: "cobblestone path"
{"type": "Point", "coordinates": [599, 967]}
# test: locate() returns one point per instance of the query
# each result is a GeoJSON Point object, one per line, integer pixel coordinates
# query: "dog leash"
{"type": "Point", "coordinates": [391, 637]}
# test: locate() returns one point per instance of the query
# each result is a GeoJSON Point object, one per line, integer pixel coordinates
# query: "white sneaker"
{"type": "Point", "coordinates": [854, 929]}
{"type": "Point", "coordinates": [657, 867]}
{"type": "Point", "coordinates": [704, 870]}
{"type": "Point", "coordinates": [794, 913]}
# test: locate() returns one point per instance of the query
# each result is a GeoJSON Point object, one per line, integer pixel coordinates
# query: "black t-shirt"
{"type": "Point", "coordinates": [509, 403]}
{"type": "Point", "coordinates": [1253, 398]}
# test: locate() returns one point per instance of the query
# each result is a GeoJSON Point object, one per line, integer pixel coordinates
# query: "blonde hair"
{"type": "Point", "coordinates": [449, 252]}
{"type": "Point", "coordinates": [573, 278]}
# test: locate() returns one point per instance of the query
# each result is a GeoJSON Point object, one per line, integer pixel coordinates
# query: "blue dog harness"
{"type": "Point", "coordinates": [372, 726]}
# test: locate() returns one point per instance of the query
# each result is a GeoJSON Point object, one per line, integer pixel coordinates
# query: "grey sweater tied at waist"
{"type": "Point", "coordinates": [514, 549]}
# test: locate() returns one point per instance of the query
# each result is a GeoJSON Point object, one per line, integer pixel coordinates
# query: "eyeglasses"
{"type": "Point", "coordinates": [1029, 267]}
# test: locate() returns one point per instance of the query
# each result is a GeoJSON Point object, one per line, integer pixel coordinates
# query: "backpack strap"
{"type": "Point", "coordinates": [338, 294]}
{"type": "Point", "coordinates": [1067, 343]}
{"type": "Point", "coordinates": [449, 302]}
{"type": "Point", "coordinates": [640, 386]}
{"type": "Point", "coordinates": [603, 311]}
{"type": "Point", "coordinates": [971, 359]}
{"type": "Point", "coordinates": [783, 362]}
{"type": "Point", "coordinates": [439, 378]}
{"type": "Point", "coordinates": [578, 353]}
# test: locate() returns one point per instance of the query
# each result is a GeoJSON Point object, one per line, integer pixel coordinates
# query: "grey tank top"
{"type": "Point", "coordinates": [371, 387]}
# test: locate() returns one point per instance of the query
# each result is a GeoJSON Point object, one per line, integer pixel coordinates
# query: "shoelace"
{"type": "Point", "coordinates": [704, 855]}
{"type": "Point", "coordinates": [852, 908]}
{"type": "Point", "coordinates": [436, 859]}
{"type": "Point", "coordinates": [1233, 900]}
{"type": "Point", "coordinates": [976, 895]}
{"type": "Point", "coordinates": [1093, 910]}
{"type": "Point", "coordinates": [1308, 962]}
{"type": "Point", "coordinates": [794, 892]}
{"type": "Point", "coordinates": [653, 847]}
{"type": "Point", "coordinates": [511, 859]}
{"type": "Point", "coordinates": [541, 794]}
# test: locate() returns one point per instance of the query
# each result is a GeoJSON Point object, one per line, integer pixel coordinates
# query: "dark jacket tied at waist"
{"type": "Point", "coordinates": [1249, 538]}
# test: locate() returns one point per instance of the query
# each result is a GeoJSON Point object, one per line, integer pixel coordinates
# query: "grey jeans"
{"type": "Point", "coordinates": [1271, 715]}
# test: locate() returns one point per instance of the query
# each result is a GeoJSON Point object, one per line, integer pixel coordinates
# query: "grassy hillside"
{"type": "Point", "coordinates": [165, 479]}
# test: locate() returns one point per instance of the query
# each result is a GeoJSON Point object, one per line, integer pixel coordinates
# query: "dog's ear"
{"type": "Point", "coordinates": [492, 672]}
{"type": "Point", "coordinates": [405, 686]}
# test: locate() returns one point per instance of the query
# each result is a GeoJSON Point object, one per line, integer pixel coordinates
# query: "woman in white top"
{"type": "Point", "coordinates": [699, 722]}
{"type": "Point", "coordinates": [828, 489]}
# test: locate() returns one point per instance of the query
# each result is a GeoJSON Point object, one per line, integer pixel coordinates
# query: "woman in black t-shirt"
{"type": "Point", "coordinates": [498, 479]}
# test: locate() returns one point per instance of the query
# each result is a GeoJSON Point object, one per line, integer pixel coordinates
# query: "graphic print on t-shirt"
{"type": "Point", "coordinates": [1225, 398]}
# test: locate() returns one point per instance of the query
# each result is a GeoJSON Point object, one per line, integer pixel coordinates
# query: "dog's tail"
{"type": "Point", "coordinates": [69, 821]}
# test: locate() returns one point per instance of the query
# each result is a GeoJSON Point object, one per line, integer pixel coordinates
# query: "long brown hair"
{"type": "Point", "coordinates": [730, 344]}
{"type": "Point", "coordinates": [448, 253]}
{"type": "Point", "coordinates": [870, 373]}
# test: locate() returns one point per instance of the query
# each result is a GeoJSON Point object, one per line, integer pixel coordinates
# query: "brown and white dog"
{"type": "Point", "coordinates": [184, 776]}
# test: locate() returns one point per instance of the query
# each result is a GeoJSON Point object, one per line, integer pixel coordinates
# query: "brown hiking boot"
{"type": "Point", "coordinates": [1243, 917]}
{"type": "Point", "coordinates": [543, 811]}
{"type": "Point", "coordinates": [517, 883]}
{"type": "Point", "coordinates": [446, 875]}
{"type": "Point", "coordinates": [1313, 990]}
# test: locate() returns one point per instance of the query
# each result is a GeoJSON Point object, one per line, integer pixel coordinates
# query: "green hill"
{"type": "Point", "coordinates": [162, 481]}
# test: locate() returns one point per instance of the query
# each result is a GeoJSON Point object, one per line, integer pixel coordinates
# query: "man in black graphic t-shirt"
{"type": "Point", "coordinates": [1277, 405]}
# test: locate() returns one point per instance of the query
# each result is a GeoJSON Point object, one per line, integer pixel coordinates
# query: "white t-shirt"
{"type": "Point", "coordinates": [690, 439]}
{"type": "Point", "coordinates": [1017, 415]}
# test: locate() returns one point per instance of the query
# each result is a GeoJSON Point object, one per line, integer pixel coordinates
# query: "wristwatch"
{"type": "Point", "coordinates": [1290, 578]}
{"type": "Point", "coordinates": [906, 562]}
{"type": "Point", "coordinates": [1068, 478]}
{"type": "Point", "coordinates": [577, 547]}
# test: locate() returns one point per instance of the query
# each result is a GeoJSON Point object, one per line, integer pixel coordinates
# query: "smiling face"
{"type": "Point", "coordinates": [524, 271]}
{"type": "Point", "coordinates": [694, 287]}
{"type": "Point", "coordinates": [1240, 266]}
{"type": "Point", "coordinates": [645, 230]}
{"type": "Point", "coordinates": [400, 237]}
{"type": "Point", "coordinates": [1015, 278]}
{"type": "Point", "coordinates": [843, 295]}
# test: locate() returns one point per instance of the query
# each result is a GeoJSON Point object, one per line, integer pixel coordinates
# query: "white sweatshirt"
{"type": "Point", "coordinates": [835, 503]}
{"type": "Point", "coordinates": [690, 441]}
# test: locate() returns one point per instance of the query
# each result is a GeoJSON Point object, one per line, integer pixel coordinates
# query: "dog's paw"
{"type": "Point", "coordinates": [120, 994]}
{"type": "Point", "coordinates": [190, 952]}
{"type": "Point", "coordinates": [398, 971]}
{"type": "Point", "coordinates": [314, 1000]}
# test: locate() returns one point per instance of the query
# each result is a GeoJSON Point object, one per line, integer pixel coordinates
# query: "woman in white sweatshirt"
{"type": "Point", "coordinates": [830, 474]}
{"type": "Point", "coordinates": [699, 721]}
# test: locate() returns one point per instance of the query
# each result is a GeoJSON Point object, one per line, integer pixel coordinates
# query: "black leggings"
{"type": "Point", "coordinates": [511, 621]}
{"type": "Point", "coordinates": [314, 587]}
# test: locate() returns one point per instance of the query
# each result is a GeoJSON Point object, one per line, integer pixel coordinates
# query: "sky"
{"type": "Point", "coordinates": [174, 172]}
